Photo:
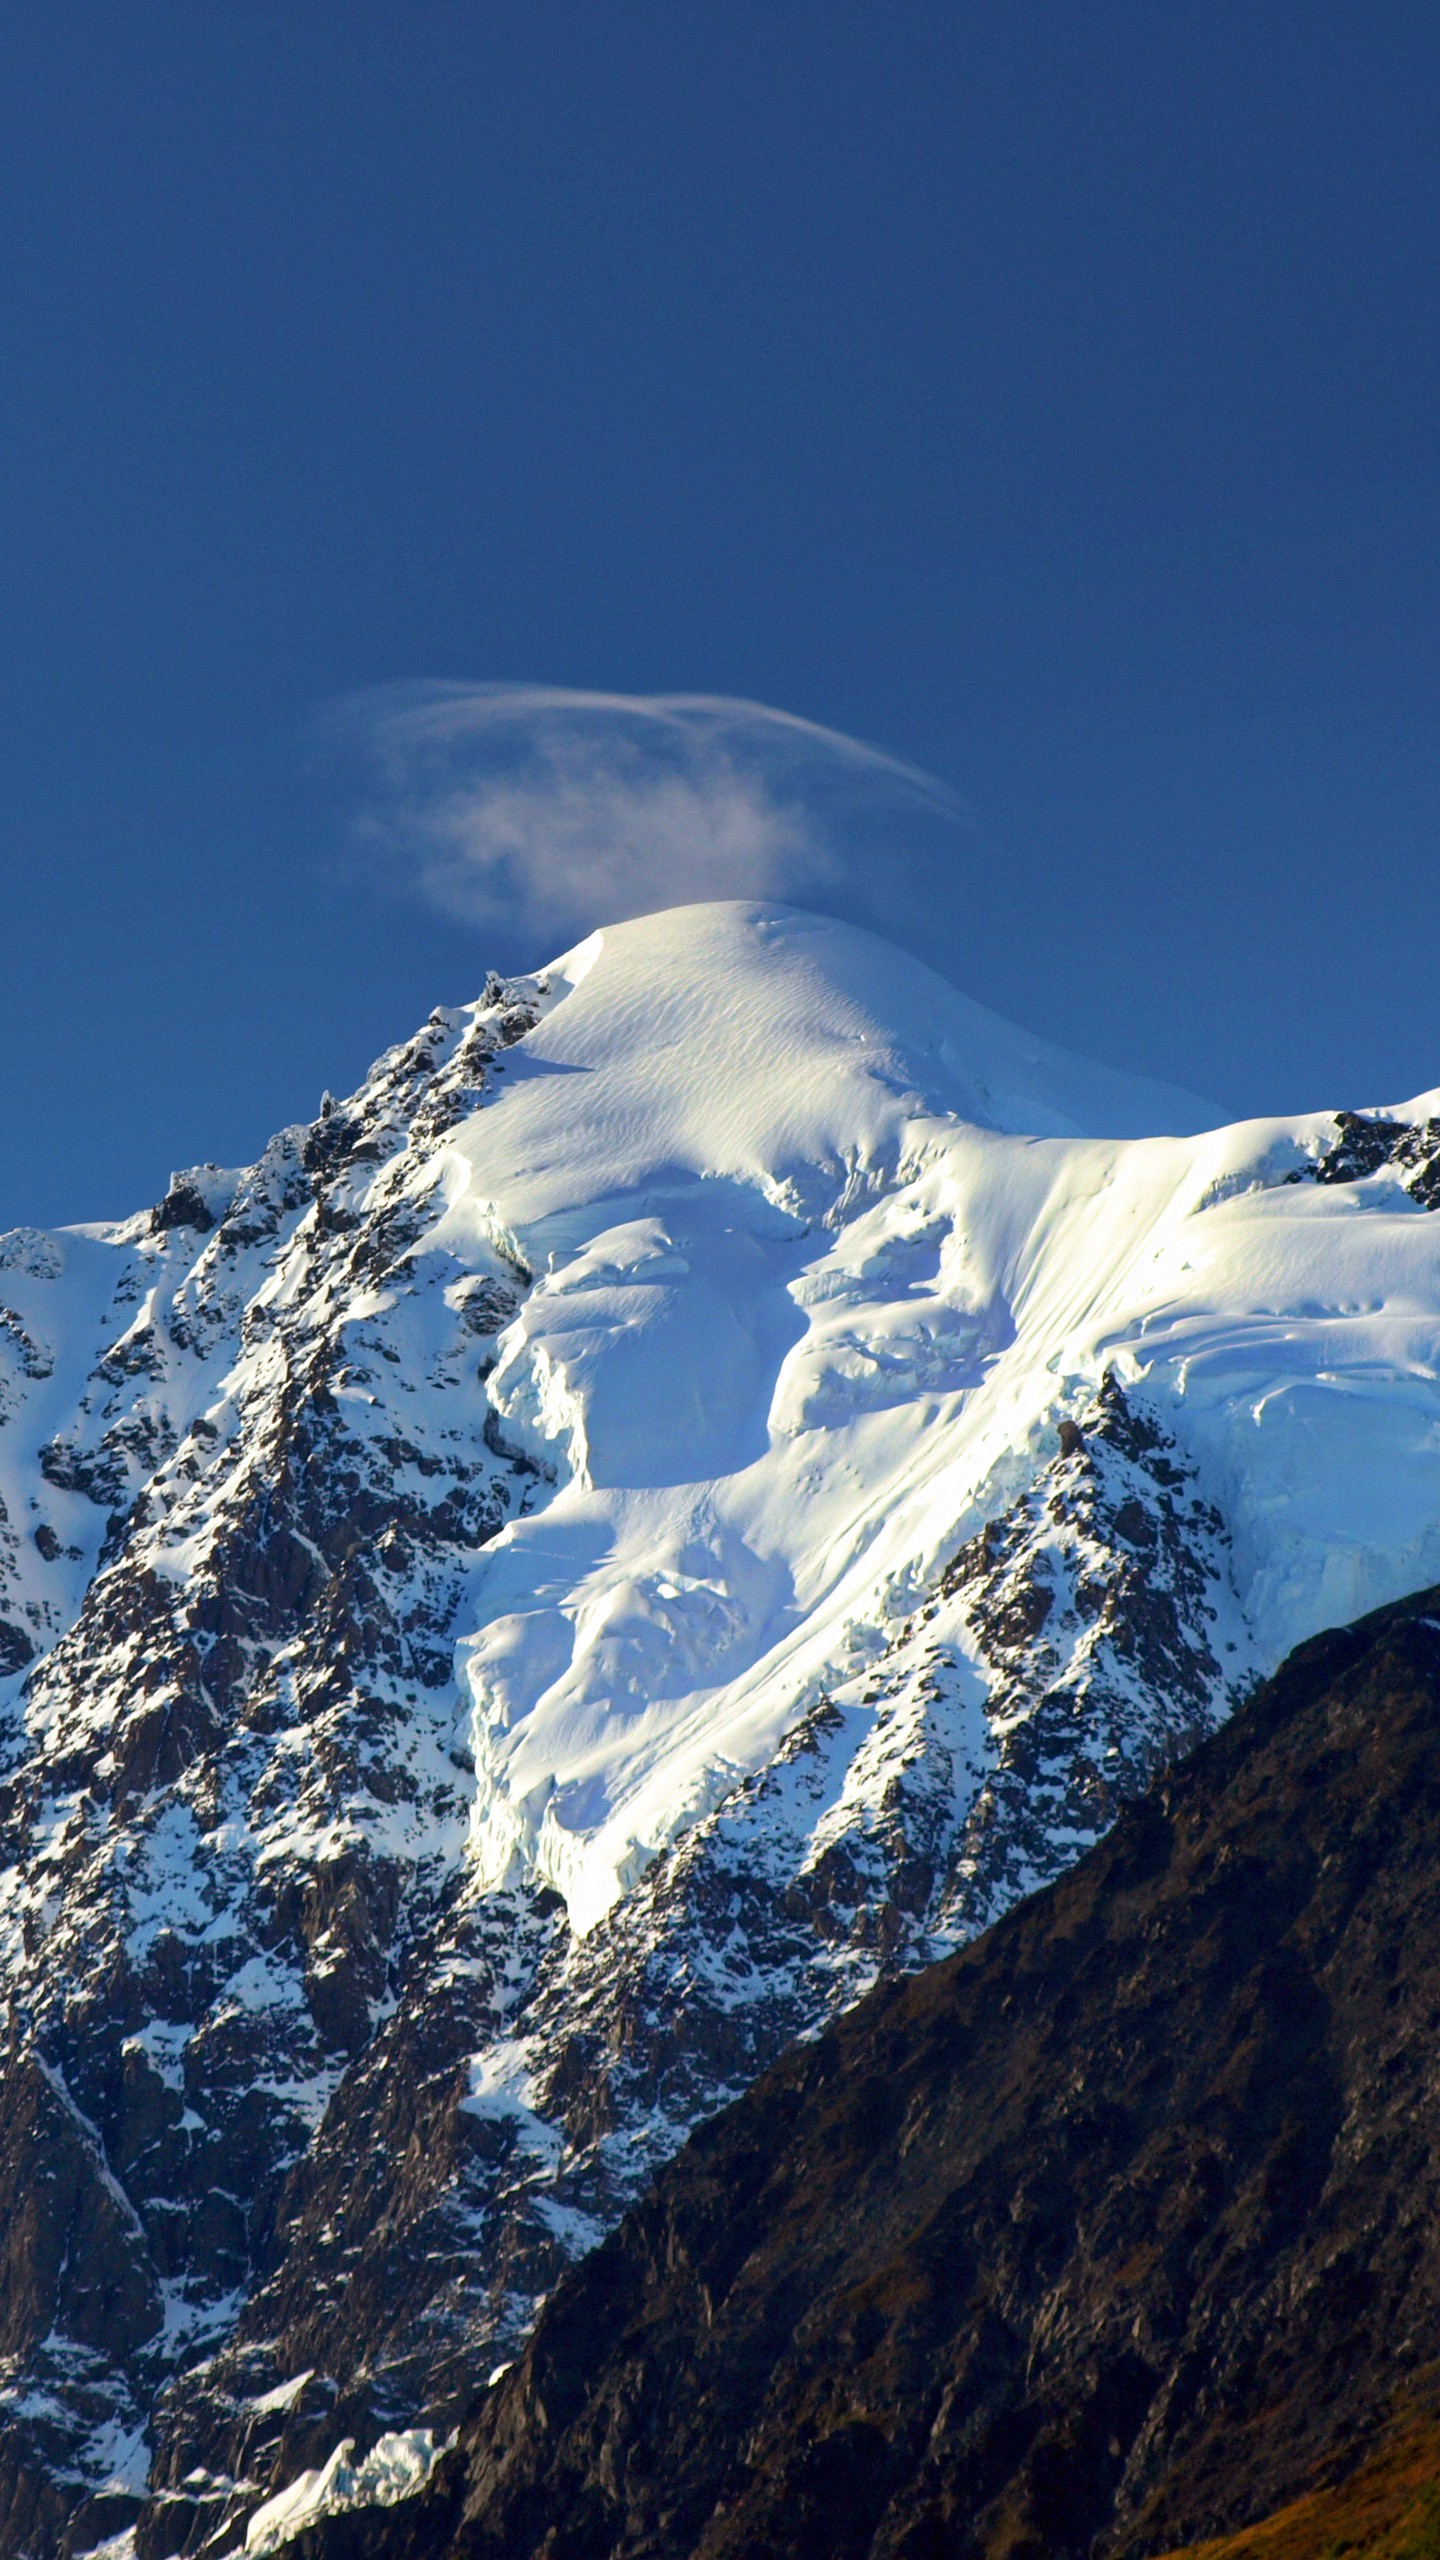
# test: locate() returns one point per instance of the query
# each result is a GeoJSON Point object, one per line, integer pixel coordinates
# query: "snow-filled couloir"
{"type": "Point", "coordinates": [719, 1466]}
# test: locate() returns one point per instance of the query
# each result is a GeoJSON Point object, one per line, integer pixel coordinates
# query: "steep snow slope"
{"type": "Point", "coordinates": [717, 1468]}
{"type": "Point", "coordinates": [753, 1163]}
{"type": "Point", "coordinates": [715, 1156]}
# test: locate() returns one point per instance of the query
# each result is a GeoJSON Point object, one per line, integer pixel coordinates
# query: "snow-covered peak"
{"type": "Point", "coordinates": [716, 1468]}
{"type": "Point", "coordinates": [744, 1038]}
{"type": "Point", "coordinates": [820, 1252]}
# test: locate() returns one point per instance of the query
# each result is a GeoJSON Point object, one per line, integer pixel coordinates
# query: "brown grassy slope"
{"type": "Point", "coordinates": [1386, 2509]}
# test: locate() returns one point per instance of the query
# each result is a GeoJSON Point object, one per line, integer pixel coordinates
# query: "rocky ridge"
{"type": "Point", "coordinates": [236, 1797]}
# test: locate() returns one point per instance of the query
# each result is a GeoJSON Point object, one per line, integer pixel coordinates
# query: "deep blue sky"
{"type": "Point", "coordinates": [1045, 390]}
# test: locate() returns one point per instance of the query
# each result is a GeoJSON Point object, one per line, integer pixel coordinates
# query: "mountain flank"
{"type": "Point", "coordinates": [1114, 2232]}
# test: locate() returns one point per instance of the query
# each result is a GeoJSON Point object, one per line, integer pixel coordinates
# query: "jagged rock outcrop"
{"type": "Point", "coordinates": [1371, 1142]}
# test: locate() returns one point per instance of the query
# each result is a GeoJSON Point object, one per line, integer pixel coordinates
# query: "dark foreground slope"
{"type": "Point", "coordinates": [1109, 2233]}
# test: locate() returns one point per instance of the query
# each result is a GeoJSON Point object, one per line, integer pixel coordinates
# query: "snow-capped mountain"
{"type": "Point", "coordinates": [714, 1471]}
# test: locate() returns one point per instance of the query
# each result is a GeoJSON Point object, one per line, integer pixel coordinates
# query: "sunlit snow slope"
{"type": "Point", "coordinates": [717, 1468]}
{"type": "Point", "coordinates": [818, 1260]}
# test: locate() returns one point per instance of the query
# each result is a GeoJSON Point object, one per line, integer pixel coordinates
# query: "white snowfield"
{"type": "Point", "coordinates": [822, 1252]}
{"type": "Point", "coordinates": [819, 1256]}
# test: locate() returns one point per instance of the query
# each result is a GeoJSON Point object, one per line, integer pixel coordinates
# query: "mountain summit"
{"type": "Point", "coordinates": [717, 1469]}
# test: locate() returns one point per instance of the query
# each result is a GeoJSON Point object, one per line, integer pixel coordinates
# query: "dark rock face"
{"type": "Point", "coordinates": [1096, 2237]}
{"type": "Point", "coordinates": [1368, 1142]}
{"type": "Point", "coordinates": [184, 1205]}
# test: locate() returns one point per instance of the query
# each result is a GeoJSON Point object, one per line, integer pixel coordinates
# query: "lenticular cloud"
{"type": "Point", "coordinates": [547, 811]}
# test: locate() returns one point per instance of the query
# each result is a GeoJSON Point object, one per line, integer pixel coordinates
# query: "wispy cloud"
{"type": "Point", "coordinates": [549, 811]}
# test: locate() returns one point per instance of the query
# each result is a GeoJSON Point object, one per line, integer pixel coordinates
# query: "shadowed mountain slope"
{"type": "Point", "coordinates": [1110, 2233]}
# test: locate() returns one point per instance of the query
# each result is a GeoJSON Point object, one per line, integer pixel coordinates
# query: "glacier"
{"type": "Point", "coordinates": [722, 1464]}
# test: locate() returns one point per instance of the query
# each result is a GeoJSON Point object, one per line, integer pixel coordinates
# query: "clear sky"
{"type": "Point", "coordinates": [1044, 390]}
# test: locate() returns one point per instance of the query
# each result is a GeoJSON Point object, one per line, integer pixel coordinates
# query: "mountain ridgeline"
{"type": "Point", "coordinates": [716, 1472]}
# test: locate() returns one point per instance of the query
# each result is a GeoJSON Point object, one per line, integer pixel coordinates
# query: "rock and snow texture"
{"type": "Point", "coordinates": [718, 1468]}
